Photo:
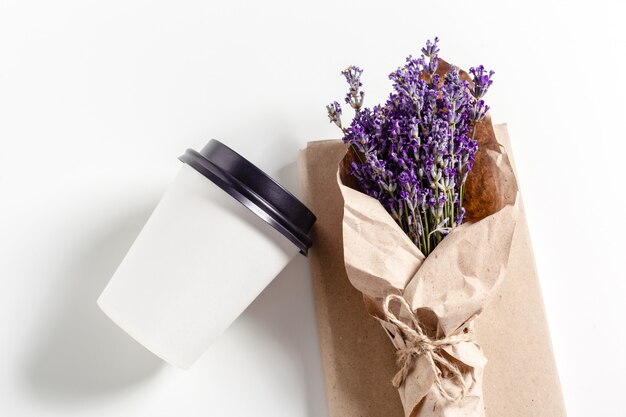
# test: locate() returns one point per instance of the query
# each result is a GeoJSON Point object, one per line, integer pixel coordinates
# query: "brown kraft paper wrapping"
{"type": "Point", "coordinates": [359, 360]}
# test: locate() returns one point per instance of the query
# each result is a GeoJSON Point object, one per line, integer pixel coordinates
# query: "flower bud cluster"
{"type": "Point", "coordinates": [414, 152]}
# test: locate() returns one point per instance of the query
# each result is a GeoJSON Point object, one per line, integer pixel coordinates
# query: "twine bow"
{"type": "Point", "coordinates": [419, 344]}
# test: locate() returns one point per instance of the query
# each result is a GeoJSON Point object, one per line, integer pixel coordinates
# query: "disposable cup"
{"type": "Point", "coordinates": [221, 232]}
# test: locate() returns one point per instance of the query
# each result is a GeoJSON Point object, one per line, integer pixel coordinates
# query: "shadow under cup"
{"type": "Point", "coordinates": [221, 232]}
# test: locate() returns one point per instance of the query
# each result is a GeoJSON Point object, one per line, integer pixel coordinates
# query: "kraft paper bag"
{"type": "Point", "coordinates": [520, 378]}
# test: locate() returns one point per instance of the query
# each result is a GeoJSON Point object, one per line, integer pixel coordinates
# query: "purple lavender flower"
{"type": "Point", "coordinates": [482, 81]}
{"type": "Point", "coordinates": [334, 113]}
{"type": "Point", "coordinates": [354, 97]}
{"type": "Point", "coordinates": [430, 51]}
{"type": "Point", "coordinates": [416, 150]}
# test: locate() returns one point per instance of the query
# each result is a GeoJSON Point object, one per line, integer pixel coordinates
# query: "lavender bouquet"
{"type": "Point", "coordinates": [416, 151]}
{"type": "Point", "coordinates": [429, 213]}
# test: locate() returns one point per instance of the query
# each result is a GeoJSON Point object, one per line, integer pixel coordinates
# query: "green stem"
{"type": "Point", "coordinates": [423, 248]}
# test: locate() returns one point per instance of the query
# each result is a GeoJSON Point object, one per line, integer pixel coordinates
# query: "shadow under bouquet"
{"type": "Point", "coordinates": [430, 207]}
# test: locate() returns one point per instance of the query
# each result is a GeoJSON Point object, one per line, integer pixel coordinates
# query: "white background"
{"type": "Point", "coordinates": [97, 99]}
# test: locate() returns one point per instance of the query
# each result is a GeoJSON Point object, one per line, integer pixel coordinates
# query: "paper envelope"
{"type": "Point", "coordinates": [520, 380]}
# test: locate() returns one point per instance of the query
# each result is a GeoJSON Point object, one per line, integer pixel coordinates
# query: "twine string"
{"type": "Point", "coordinates": [419, 344]}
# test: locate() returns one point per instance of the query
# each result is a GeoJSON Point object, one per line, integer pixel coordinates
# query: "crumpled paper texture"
{"type": "Point", "coordinates": [445, 290]}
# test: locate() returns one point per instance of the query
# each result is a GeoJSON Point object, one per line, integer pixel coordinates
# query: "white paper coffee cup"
{"type": "Point", "coordinates": [221, 232]}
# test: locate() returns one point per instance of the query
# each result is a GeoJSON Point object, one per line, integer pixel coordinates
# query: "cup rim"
{"type": "Point", "coordinates": [255, 189]}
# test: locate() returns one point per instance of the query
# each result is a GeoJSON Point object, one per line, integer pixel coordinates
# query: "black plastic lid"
{"type": "Point", "coordinates": [254, 189]}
